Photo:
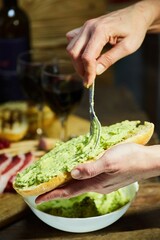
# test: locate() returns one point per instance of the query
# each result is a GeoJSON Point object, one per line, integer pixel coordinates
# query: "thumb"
{"type": "Point", "coordinates": [88, 170]}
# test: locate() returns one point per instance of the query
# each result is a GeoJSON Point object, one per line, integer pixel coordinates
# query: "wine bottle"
{"type": "Point", "coordinates": [14, 39]}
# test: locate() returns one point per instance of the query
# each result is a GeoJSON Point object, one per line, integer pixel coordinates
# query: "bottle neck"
{"type": "Point", "coordinates": [10, 3]}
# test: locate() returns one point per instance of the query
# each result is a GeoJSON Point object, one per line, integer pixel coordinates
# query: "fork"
{"type": "Point", "coordinates": [95, 126]}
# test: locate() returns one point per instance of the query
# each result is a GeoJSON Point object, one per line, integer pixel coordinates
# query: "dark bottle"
{"type": "Point", "coordinates": [14, 39]}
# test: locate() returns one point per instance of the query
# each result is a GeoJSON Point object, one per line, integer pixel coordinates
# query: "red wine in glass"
{"type": "Point", "coordinates": [63, 91]}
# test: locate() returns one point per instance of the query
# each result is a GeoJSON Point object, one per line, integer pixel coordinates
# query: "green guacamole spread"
{"type": "Point", "coordinates": [86, 205]}
{"type": "Point", "coordinates": [65, 156]}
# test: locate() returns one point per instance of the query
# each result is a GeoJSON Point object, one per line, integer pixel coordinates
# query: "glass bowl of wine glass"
{"type": "Point", "coordinates": [29, 67]}
{"type": "Point", "coordinates": [62, 89]}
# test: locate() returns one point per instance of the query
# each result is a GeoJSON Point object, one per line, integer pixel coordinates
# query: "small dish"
{"type": "Point", "coordinates": [88, 224]}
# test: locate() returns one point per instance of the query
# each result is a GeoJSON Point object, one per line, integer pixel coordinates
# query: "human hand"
{"type": "Point", "coordinates": [118, 167]}
{"type": "Point", "coordinates": [124, 30]}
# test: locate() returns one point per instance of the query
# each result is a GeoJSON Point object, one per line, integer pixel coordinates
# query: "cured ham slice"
{"type": "Point", "coordinates": [5, 160]}
{"type": "Point", "coordinates": [28, 159]}
{"type": "Point", "coordinates": [10, 170]}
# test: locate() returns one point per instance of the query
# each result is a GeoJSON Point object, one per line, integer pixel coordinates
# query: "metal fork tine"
{"type": "Point", "coordinates": [95, 126]}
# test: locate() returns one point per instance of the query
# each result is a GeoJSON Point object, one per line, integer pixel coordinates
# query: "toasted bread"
{"type": "Point", "coordinates": [127, 131]}
{"type": "Point", "coordinates": [17, 118]}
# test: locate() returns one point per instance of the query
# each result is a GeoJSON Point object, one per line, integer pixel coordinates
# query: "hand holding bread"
{"type": "Point", "coordinates": [55, 168]}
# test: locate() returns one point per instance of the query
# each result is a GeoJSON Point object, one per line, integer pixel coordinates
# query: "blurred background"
{"type": "Point", "coordinates": [139, 73]}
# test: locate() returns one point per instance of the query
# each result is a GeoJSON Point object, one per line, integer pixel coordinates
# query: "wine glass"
{"type": "Point", "coordinates": [63, 90]}
{"type": "Point", "coordinates": [29, 67]}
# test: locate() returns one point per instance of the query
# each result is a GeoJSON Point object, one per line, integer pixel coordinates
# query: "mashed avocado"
{"type": "Point", "coordinates": [65, 156]}
{"type": "Point", "coordinates": [86, 205]}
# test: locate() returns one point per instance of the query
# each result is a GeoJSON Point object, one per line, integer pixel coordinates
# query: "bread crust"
{"type": "Point", "coordinates": [46, 186]}
{"type": "Point", "coordinates": [142, 137]}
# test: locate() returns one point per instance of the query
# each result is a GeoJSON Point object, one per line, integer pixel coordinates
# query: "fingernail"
{"type": "Point", "coordinates": [87, 85]}
{"type": "Point", "coordinates": [100, 69]}
{"type": "Point", "coordinates": [76, 173]}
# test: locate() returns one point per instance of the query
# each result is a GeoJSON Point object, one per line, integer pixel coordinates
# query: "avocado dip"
{"type": "Point", "coordinates": [86, 205]}
{"type": "Point", "coordinates": [66, 155]}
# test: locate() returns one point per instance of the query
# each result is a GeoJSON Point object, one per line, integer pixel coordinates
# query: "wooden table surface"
{"type": "Point", "coordinates": [142, 220]}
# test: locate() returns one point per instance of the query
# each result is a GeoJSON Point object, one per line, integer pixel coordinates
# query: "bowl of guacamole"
{"type": "Point", "coordinates": [87, 212]}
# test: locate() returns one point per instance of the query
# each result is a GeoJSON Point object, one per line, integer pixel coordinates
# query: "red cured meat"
{"type": "Point", "coordinates": [10, 170]}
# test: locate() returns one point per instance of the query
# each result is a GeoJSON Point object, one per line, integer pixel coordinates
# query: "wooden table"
{"type": "Point", "coordinates": [142, 220]}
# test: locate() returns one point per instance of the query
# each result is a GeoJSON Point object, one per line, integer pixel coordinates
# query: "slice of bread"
{"type": "Point", "coordinates": [13, 123]}
{"type": "Point", "coordinates": [17, 118]}
{"type": "Point", "coordinates": [53, 169]}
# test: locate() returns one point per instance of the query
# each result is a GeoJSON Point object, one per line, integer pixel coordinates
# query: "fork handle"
{"type": "Point", "coordinates": [91, 96]}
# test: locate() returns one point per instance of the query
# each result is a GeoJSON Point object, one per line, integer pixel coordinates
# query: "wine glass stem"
{"type": "Point", "coordinates": [39, 130]}
{"type": "Point", "coordinates": [63, 121]}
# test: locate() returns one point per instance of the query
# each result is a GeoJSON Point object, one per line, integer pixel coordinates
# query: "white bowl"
{"type": "Point", "coordinates": [83, 225]}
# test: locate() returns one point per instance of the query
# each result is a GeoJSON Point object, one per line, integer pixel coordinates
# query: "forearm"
{"type": "Point", "coordinates": [150, 10]}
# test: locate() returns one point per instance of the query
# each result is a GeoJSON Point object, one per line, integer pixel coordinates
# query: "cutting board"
{"type": "Point", "coordinates": [12, 207]}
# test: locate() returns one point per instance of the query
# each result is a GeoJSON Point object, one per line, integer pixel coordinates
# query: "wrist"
{"type": "Point", "coordinates": [150, 10]}
{"type": "Point", "coordinates": [151, 161]}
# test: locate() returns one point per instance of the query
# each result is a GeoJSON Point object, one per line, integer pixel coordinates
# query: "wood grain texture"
{"type": "Point", "coordinates": [147, 234]}
{"type": "Point", "coordinates": [51, 19]}
{"type": "Point", "coordinates": [148, 198]}
{"type": "Point", "coordinates": [12, 207]}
